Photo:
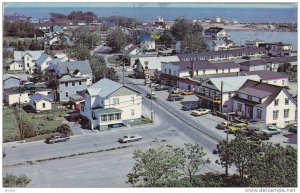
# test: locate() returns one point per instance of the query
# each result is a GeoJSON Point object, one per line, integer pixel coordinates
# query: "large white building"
{"type": "Point", "coordinates": [25, 60]}
{"type": "Point", "coordinates": [260, 101]}
{"type": "Point", "coordinates": [108, 103]}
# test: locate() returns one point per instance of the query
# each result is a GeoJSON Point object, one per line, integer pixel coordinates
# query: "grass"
{"type": "Point", "coordinates": [144, 121]}
{"type": "Point", "coordinates": [10, 125]}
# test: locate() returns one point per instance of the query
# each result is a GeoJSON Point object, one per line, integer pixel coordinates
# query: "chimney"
{"type": "Point", "coordinates": [192, 68]}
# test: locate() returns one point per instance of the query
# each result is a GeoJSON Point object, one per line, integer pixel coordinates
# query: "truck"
{"type": "Point", "coordinates": [175, 97]}
{"type": "Point", "coordinates": [57, 139]}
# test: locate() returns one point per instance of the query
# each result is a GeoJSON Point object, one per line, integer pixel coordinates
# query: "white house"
{"type": "Point", "coordinates": [270, 77]}
{"type": "Point", "coordinates": [253, 43]}
{"type": "Point", "coordinates": [216, 32]}
{"type": "Point", "coordinates": [10, 81]}
{"type": "Point", "coordinates": [69, 86]}
{"type": "Point", "coordinates": [108, 102]}
{"type": "Point", "coordinates": [216, 45]}
{"type": "Point", "coordinates": [215, 93]}
{"type": "Point", "coordinates": [264, 102]}
{"type": "Point", "coordinates": [147, 42]}
{"type": "Point", "coordinates": [43, 62]}
{"type": "Point", "coordinates": [274, 63]}
{"type": "Point", "coordinates": [12, 96]}
{"type": "Point", "coordinates": [27, 59]}
{"type": "Point", "coordinates": [40, 102]}
{"type": "Point", "coordinates": [279, 49]}
{"type": "Point", "coordinates": [253, 65]}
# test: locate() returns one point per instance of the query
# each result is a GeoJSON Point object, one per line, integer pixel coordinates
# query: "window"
{"type": "Point", "coordinates": [132, 100]}
{"type": "Point", "coordinates": [249, 97]}
{"type": "Point", "coordinates": [116, 101]}
{"type": "Point", "coordinates": [93, 114]}
{"type": "Point", "coordinates": [287, 101]}
{"type": "Point", "coordinates": [111, 117]}
{"type": "Point", "coordinates": [239, 107]}
{"type": "Point", "coordinates": [275, 115]}
{"type": "Point", "coordinates": [82, 108]}
{"type": "Point", "coordinates": [229, 94]}
{"type": "Point", "coordinates": [132, 111]}
{"type": "Point", "coordinates": [283, 82]}
{"type": "Point", "coordinates": [169, 71]}
{"type": "Point", "coordinates": [79, 82]}
{"type": "Point", "coordinates": [286, 113]}
{"type": "Point", "coordinates": [66, 84]}
{"type": "Point", "coordinates": [67, 94]}
{"type": "Point", "coordinates": [174, 73]}
{"type": "Point", "coordinates": [276, 101]}
{"type": "Point", "coordinates": [104, 118]}
{"type": "Point", "coordinates": [73, 83]}
{"type": "Point", "coordinates": [165, 71]}
{"type": "Point", "coordinates": [258, 113]}
{"type": "Point", "coordinates": [27, 64]}
{"type": "Point", "coordinates": [44, 105]}
{"type": "Point", "coordinates": [117, 116]}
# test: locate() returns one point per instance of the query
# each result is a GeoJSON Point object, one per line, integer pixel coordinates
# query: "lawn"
{"type": "Point", "coordinates": [10, 125]}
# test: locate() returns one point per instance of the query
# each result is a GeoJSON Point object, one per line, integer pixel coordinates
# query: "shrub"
{"type": "Point", "coordinates": [64, 128]}
{"type": "Point", "coordinates": [15, 181]}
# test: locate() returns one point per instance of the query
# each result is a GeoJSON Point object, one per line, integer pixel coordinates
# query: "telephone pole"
{"type": "Point", "coordinates": [222, 96]}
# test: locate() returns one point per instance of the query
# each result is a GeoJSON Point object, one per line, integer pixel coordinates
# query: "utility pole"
{"type": "Point", "coordinates": [123, 72]}
{"type": "Point", "coordinates": [222, 96]}
{"type": "Point", "coordinates": [152, 114]}
{"type": "Point", "coordinates": [227, 140]}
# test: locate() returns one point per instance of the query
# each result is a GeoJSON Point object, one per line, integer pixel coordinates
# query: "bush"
{"type": "Point", "coordinates": [64, 128]}
{"type": "Point", "coordinates": [15, 181]}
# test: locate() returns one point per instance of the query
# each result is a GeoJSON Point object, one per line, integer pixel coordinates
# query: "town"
{"type": "Point", "coordinates": [86, 97]}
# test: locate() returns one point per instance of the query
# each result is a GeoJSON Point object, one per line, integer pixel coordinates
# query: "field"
{"type": "Point", "coordinates": [10, 125]}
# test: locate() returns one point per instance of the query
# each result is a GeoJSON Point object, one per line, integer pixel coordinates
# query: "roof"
{"type": "Point", "coordinates": [145, 37]}
{"type": "Point", "coordinates": [69, 67]}
{"type": "Point", "coordinates": [213, 30]}
{"type": "Point", "coordinates": [67, 78]}
{"type": "Point", "coordinates": [39, 97]}
{"type": "Point", "coordinates": [259, 93]}
{"type": "Point", "coordinates": [218, 42]}
{"type": "Point", "coordinates": [103, 87]}
{"type": "Point", "coordinates": [42, 59]}
{"type": "Point", "coordinates": [267, 75]}
{"type": "Point", "coordinates": [7, 76]}
{"type": "Point", "coordinates": [155, 62]}
{"type": "Point", "coordinates": [254, 63]}
{"type": "Point", "coordinates": [102, 111]}
{"type": "Point", "coordinates": [223, 52]}
{"type": "Point", "coordinates": [110, 24]}
{"type": "Point", "coordinates": [261, 89]}
{"type": "Point", "coordinates": [282, 59]}
{"type": "Point", "coordinates": [18, 55]}
{"type": "Point", "coordinates": [204, 64]}
{"type": "Point", "coordinates": [231, 83]}
{"type": "Point", "coordinates": [130, 49]}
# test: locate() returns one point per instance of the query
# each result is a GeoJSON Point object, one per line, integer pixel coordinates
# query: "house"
{"type": "Point", "coordinates": [224, 54]}
{"type": "Point", "coordinates": [77, 99]}
{"type": "Point", "coordinates": [10, 81]}
{"type": "Point", "coordinates": [15, 17]}
{"type": "Point", "coordinates": [216, 45]}
{"type": "Point", "coordinates": [43, 62]}
{"type": "Point", "coordinates": [253, 65]}
{"type": "Point", "coordinates": [215, 93]}
{"type": "Point", "coordinates": [260, 101]}
{"type": "Point", "coordinates": [33, 20]}
{"type": "Point", "coordinates": [40, 102]}
{"type": "Point", "coordinates": [130, 49]}
{"type": "Point", "coordinates": [216, 32]}
{"type": "Point", "coordinates": [153, 64]}
{"type": "Point", "coordinates": [51, 39]}
{"type": "Point", "coordinates": [27, 59]}
{"type": "Point", "coordinates": [279, 49]}
{"type": "Point", "coordinates": [108, 102]}
{"type": "Point", "coordinates": [147, 42]}
{"type": "Point", "coordinates": [77, 69]}
{"type": "Point", "coordinates": [12, 96]}
{"type": "Point", "coordinates": [270, 77]}
{"type": "Point", "coordinates": [69, 86]}
{"type": "Point", "coordinates": [188, 75]}
{"type": "Point", "coordinates": [56, 28]}
{"type": "Point", "coordinates": [274, 63]}
{"type": "Point", "coordinates": [110, 25]}
{"type": "Point", "coordinates": [253, 43]}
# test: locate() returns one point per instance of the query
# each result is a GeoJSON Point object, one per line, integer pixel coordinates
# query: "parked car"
{"type": "Point", "coordinates": [200, 111]}
{"type": "Point", "coordinates": [153, 84]}
{"type": "Point", "coordinates": [116, 125]}
{"type": "Point", "coordinates": [131, 76]}
{"type": "Point", "coordinates": [130, 138]}
{"type": "Point", "coordinates": [260, 135]}
{"type": "Point", "coordinates": [187, 92]}
{"type": "Point", "coordinates": [233, 128]}
{"type": "Point", "coordinates": [293, 128]}
{"type": "Point", "coordinates": [190, 106]}
{"type": "Point", "coordinates": [248, 131]}
{"type": "Point", "coordinates": [175, 91]}
{"type": "Point", "coordinates": [160, 88]}
{"type": "Point", "coordinates": [4, 154]}
{"type": "Point", "coordinates": [151, 95]}
{"type": "Point", "coordinates": [175, 97]}
{"type": "Point", "coordinates": [272, 130]}
{"type": "Point", "coordinates": [222, 125]}
{"type": "Point", "coordinates": [57, 138]}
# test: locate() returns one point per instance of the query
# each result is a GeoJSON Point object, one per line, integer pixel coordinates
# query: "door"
{"type": "Point", "coordinates": [249, 112]}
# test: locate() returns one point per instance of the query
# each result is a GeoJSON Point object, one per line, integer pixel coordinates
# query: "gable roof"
{"type": "Point", "coordinates": [7, 76]}
{"type": "Point", "coordinates": [268, 75]}
{"type": "Point", "coordinates": [42, 59]}
{"type": "Point", "coordinates": [123, 91]}
{"type": "Point", "coordinates": [69, 67]}
{"type": "Point", "coordinates": [18, 55]}
{"type": "Point", "coordinates": [155, 62]}
{"type": "Point", "coordinates": [103, 87]}
{"type": "Point", "coordinates": [38, 97]}
{"type": "Point", "coordinates": [145, 37]}
{"type": "Point", "coordinates": [259, 89]}
{"type": "Point", "coordinates": [213, 30]}
{"type": "Point", "coordinates": [231, 83]}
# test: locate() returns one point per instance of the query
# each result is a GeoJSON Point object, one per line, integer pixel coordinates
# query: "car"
{"type": "Point", "coordinates": [116, 125]}
{"type": "Point", "coordinates": [4, 154]}
{"type": "Point", "coordinates": [233, 128]}
{"type": "Point", "coordinates": [175, 91]}
{"type": "Point", "coordinates": [190, 106]}
{"type": "Point", "coordinates": [130, 138]}
{"type": "Point", "coordinates": [175, 97]}
{"type": "Point", "coordinates": [260, 135]}
{"type": "Point", "coordinates": [293, 128]}
{"type": "Point", "coordinates": [222, 125]}
{"type": "Point", "coordinates": [131, 76]}
{"type": "Point", "coordinates": [152, 84]}
{"type": "Point", "coordinates": [272, 130]}
{"type": "Point", "coordinates": [57, 139]}
{"type": "Point", "coordinates": [160, 88]}
{"type": "Point", "coordinates": [187, 92]}
{"type": "Point", "coordinates": [151, 95]}
{"type": "Point", "coordinates": [200, 111]}
{"type": "Point", "coordinates": [248, 131]}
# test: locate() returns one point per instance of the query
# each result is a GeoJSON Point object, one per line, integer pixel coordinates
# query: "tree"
{"type": "Point", "coordinates": [116, 39]}
{"type": "Point", "coordinates": [35, 45]}
{"type": "Point", "coordinates": [182, 27]}
{"type": "Point", "coordinates": [15, 181]}
{"type": "Point", "coordinates": [167, 38]}
{"type": "Point", "coordinates": [100, 70]}
{"type": "Point", "coordinates": [194, 160]}
{"type": "Point", "coordinates": [273, 166]}
{"type": "Point", "coordinates": [156, 167]}
{"type": "Point", "coordinates": [286, 67]}
{"type": "Point", "coordinates": [193, 43]}
{"type": "Point", "coordinates": [81, 52]}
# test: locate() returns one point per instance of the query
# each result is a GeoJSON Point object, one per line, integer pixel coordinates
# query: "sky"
{"type": "Point", "coordinates": [148, 4]}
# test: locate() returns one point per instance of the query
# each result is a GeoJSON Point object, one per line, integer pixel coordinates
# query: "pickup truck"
{"type": "Point", "coordinates": [57, 138]}
{"type": "Point", "coordinates": [175, 97]}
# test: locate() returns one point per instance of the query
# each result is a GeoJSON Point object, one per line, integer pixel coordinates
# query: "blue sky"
{"type": "Point", "coordinates": [144, 4]}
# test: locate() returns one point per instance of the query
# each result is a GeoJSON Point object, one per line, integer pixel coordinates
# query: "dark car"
{"type": "Point", "coordinates": [259, 135]}
{"type": "Point", "coordinates": [57, 139]}
{"type": "Point", "coordinates": [175, 97]}
{"type": "Point", "coordinates": [190, 106]}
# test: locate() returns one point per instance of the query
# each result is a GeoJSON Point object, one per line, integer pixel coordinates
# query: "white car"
{"type": "Point", "coordinates": [271, 130]}
{"type": "Point", "coordinates": [153, 84]}
{"type": "Point", "coordinates": [130, 138]}
{"type": "Point", "coordinates": [200, 111]}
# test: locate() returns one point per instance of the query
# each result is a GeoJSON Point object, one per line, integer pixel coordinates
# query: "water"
{"type": "Point", "coordinates": [169, 13]}
{"type": "Point", "coordinates": [239, 37]}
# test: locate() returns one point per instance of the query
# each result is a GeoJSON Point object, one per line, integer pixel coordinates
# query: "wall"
{"type": "Point", "coordinates": [70, 89]}
{"type": "Point", "coordinates": [17, 65]}
{"type": "Point", "coordinates": [15, 98]}
{"type": "Point", "coordinates": [11, 82]}
{"type": "Point", "coordinates": [28, 63]}
{"type": "Point", "coordinates": [278, 82]}
{"type": "Point", "coordinates": [39, 105]}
